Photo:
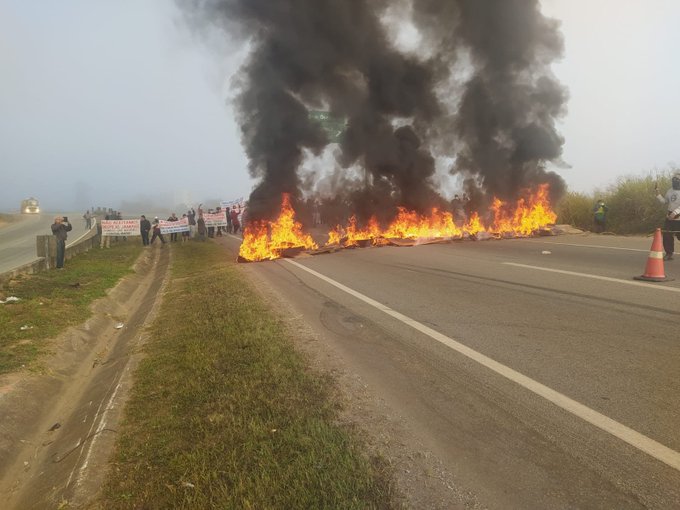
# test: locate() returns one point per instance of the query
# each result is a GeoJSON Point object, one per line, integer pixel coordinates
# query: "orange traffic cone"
{"type": "Point", "coordinates": [654, 271]}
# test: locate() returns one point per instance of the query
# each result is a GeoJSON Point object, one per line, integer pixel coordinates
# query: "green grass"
{"type": "Point", "coordinates": [225, 413]}
{"type": "Point", "coordinates": [51, 301]}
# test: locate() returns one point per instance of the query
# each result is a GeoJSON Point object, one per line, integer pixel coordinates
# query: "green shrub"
{"type": "Point", "coordinates": [633, 207]}
{"type": "Point", "coordinates": [575, 209]}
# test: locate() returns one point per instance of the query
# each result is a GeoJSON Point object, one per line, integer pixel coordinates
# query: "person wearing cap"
{"type": "Point", "coordinates": [671, 226]}
{"type": "Point", "coordinates": [60, 227]}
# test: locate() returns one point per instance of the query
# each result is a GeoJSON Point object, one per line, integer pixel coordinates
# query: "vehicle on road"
{"type": "Point", "coordinates": [30, 206]}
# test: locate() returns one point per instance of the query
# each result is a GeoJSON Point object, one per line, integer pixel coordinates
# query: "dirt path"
{"type": "Point", "coordinates": [58, 428]}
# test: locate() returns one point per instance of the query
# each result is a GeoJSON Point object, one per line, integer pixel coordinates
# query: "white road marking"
{"type": "Point", "coordinates": [626, 434]}
{"type": "Point", "coordinates": [589, 246]}
{"type": "Point", "coordinates": [595, 277]}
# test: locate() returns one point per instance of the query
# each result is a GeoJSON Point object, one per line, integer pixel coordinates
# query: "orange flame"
{"type": "Point", "coordinates": [528, 216]}
{"type": "Point", "coordinates": [266, 240]}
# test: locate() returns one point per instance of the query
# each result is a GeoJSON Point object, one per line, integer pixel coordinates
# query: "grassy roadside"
{"type": "Point", "coordinates": [51, 301]}
{"type": "Point", "coordinates": [224, 412]}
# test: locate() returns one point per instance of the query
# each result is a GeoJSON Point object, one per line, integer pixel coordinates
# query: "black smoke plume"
{"type": "Point", "coordinates": [338, 55]}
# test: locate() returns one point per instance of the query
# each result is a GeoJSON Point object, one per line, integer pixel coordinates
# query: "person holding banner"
{"type": "Point", "coordinates": [228, 212]}
{"type": "Point", "coordinates": [191, 214]}
{"type": "Point", "coordinates": [234, 219]}
{"type": "Point", "coordinates": [185, 234]}
{"type": "Point", "coordinates": [157, 231]}
{"type": "Point", "coordinates": [173, 235]}
{"type": "Point", "coordinates": [218, 230]}
{"type": "Point", "coordinates": [144, 227]}
{"type": "Point", "coordinates": [105, 241]}
{"type": "Point", "coordinates": [201, 226]}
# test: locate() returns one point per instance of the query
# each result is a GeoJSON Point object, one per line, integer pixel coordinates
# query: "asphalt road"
{"type": "Point", "coordinates": [537, 370]}
{"type": "Point", "coordinates": [17, 238]}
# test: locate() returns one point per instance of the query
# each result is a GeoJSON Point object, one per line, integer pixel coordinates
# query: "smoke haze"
{"type": "Point", "coordinates": [479, 90]}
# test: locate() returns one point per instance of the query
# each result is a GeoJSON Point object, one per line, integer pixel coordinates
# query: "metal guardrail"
{"type": "Point", "coordinates": [46, 249]}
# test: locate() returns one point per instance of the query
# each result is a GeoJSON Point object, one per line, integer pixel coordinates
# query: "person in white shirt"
{"type": "Point", "coordinates": [671, 225]}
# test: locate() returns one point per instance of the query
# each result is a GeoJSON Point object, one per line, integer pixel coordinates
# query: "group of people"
{"type": "Point", "coordinates": [196, 220]}
{"type": "Point", "coordinates": [105, 241]}
{"type": "Point", "coordinates": [197, 225]}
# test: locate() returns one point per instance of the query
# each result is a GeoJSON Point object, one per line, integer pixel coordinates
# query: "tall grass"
{"type": "Point", "coordinates": [633, 207]}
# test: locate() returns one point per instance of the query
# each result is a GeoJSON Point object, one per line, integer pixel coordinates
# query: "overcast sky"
{"type": "Point", "coordinates": [103, 101]}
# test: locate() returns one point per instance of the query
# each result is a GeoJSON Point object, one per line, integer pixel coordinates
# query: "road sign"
{"type": "Point", "coordinates": [333, 126]}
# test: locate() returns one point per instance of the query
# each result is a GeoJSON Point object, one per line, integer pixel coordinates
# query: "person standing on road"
{"type": "Point", "coordinates": [144, 228]}
{"type": "Point", "coordinates": [600, 216]}
{"type": "Point", "coordinates": [60, 227]}
{"type": "Point", "coordinates": [671, 225]}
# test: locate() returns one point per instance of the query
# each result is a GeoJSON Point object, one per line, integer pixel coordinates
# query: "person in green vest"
{"type": "Point", "coordinates": [600, 216]}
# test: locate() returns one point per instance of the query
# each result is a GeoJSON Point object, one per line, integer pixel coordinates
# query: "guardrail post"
{"type": "Point", "coordinates": [47, 248]}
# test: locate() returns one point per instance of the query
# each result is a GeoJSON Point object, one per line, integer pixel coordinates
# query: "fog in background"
{"type": "Point", "coordinates": [117, 104]}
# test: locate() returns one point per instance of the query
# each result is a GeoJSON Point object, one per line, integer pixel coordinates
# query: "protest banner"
{"type": "Point", "coordinates": [232, 203]}
{"type": "Point", "coordinates": [218, 219]}
{"type": "Point", "coordinates": [120, 228]}
{"type": "Point", "coordinates": [173, 227]}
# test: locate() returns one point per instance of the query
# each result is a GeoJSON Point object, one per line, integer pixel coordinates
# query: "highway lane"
{"type": "Point", "coordinates": [610, 346]}
{"type": "Point", "coordinates": [17, 238]}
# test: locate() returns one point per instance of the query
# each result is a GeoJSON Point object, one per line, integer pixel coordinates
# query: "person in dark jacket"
{"type": "Point", "coordinates": [60, 227]}
{"type": "Point", "coordinates": [202, 231]}
{"type": "Point", "coordinates": [191, 214]}
{"type": "Point", "coordinates": [144, 228]}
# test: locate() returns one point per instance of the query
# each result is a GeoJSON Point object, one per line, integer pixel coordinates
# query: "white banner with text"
{"type": "Point", "coordinates": [218, 219]}
{"type": "Point", "coordinates": [173, 227]}
{"type": "Point", "coordinates": [120, 228]}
